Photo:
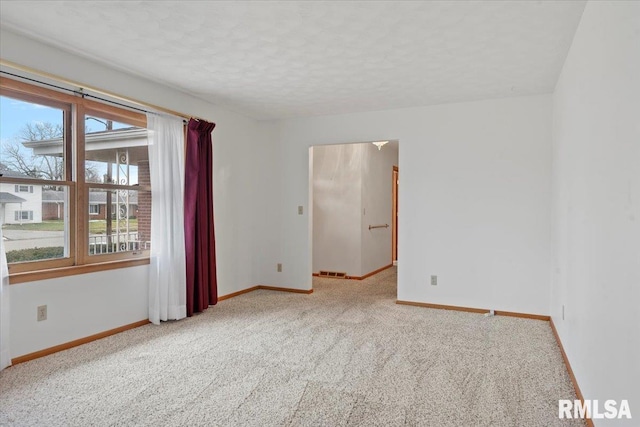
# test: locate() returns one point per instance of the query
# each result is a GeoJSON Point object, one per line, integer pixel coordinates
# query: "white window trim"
{"type": "Point", "coordinates": [19, 215]}
{"type": "Point", "coordinates": [27, 188]}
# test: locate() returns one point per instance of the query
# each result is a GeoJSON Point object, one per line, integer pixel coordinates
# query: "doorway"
{"type": "Point", "coordinates": [353, 205]}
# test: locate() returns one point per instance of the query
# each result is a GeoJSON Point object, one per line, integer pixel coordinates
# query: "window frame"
{"type": "Point", "coordinates": [75, 108]}
{"type": "Point", "coordinates": [18, 188]}
{"type": "Point", "coordinates": [19, 215]}
{"type": "Point", "coordinates": [103, 111]}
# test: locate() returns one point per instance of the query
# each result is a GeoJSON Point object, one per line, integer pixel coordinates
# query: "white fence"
{"type": "Point", "coordinates": [100, 244]}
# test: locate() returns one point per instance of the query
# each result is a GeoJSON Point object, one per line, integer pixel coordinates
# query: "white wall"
{"type": "Point", "coordinates": [242, 181]}
{"type": "Point", "coordinates": [474, 199]}
{"type": "Point", "coordinates": [337, 201]}
{"type": "Point", "coordinates": [77, 307]}
{"type": "Point", "coordinates": [377, 203]}
{"type": "Point", "coordinates": [596, 159]}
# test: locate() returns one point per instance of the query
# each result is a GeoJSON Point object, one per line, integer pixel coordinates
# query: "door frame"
{"type": "Point", "coordinates": [394, 214]}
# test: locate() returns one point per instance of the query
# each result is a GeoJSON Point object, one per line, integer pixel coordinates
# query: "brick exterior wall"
{"type": "Point", "coordinates": [102, 213]}
{"type": "Point", "coordinates": [52, 211]}
{"type": "Point", "coordinates": [144, 203]}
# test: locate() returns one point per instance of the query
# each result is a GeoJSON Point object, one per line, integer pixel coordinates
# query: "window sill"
{"type": "Point", "coordinates": [52, 273]}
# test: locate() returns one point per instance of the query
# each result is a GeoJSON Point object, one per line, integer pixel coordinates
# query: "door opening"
{"type": "Point", "coordinates": [351, 209]}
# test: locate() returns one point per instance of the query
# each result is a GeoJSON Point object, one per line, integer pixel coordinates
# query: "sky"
{"type": "Point", "coordinates": [14, 114]}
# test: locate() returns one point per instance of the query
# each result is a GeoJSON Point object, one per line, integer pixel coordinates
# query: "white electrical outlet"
{"type": "Point", "coordinates": [300, 210]}
{"type": "Point", "coordinates": [562, 311]}
{"type": "Point", "coordinates": [434, 280]}
{"type": "Point", "coordinates": [42, 313]}
{"type": "Point", "coordinates": [279, 267]}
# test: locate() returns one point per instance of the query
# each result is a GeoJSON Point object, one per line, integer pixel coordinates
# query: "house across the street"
{"type": "Point", "coordinates": [53, 205]}
{"type": "Point", "coordinates": [19, 204]}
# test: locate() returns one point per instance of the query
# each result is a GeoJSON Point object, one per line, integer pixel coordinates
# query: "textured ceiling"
{"type": "Point", "coordinates": [287, 59]}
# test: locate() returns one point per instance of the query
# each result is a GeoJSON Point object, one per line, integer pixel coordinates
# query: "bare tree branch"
{"type": "Point", "coordinates": [20, 159]}
{"type": "Point", "coordinates": [40, 131]}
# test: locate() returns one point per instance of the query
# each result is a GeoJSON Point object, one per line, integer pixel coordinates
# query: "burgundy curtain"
{"type": "Point", "coordinates": [202, 287]}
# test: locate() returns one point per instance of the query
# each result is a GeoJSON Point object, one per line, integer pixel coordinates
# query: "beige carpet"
{"type": "Point", "coordinates": [344, 355]}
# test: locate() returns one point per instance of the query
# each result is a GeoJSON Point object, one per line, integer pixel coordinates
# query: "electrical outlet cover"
{"type": "Point", "coordinates": [42, 313]}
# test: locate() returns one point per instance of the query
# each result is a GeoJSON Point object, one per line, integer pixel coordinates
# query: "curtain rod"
{"type": "Point", "coordinates": [82, 93]}
{"type": "Point", "coordinates": [77, 92]}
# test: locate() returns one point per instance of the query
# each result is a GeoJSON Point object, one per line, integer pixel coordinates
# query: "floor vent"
{"type": "Point", "coordinates": [333, 274]}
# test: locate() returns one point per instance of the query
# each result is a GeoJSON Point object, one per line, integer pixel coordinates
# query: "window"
{"type": "Point", "coordinates": [28, 124]}
{"type": "Point", "coordinates": [117, 177]}
{"type": "Point", "coordinates": [24, 188]}
{"type": "Point", "coordinates": [24, 215]}
{"type": "Point", "coordinates": [74, 180]}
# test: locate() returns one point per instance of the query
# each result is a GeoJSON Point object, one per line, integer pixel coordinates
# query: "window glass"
{"type": "Point", "coordinates": [31, 140]}
{"type": "Point", "coordinates": [123, 222]}
{"type": "Point", "coordinates": [114, 151]}
{"type": "Point", "coordinates": [24, 188]}
{"type": "Point", "coordinates": [24, 215]}
{"type": "Point", "coordinates": [35, 225]}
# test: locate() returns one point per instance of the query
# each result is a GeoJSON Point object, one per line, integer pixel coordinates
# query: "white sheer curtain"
{"type": "Point", "coordinates": [5, 355]}
{"type": "Point", "coordinates": [167, 277]}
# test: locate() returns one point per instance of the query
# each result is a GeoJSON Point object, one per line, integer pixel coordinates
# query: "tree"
{"type": "Point", "coordinates": [21, 159]}
{"type": "Point", "coordinates": [51, 167]}
{"type": "Point", "coordinates": [40, 131]}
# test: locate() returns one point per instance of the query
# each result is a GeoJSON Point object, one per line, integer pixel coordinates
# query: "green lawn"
{"type": "Point", "coordinates": [42, 226]}
{"type": "Point", "coordinates": [95, 227]}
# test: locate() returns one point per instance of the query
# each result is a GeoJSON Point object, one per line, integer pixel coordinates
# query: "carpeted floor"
{"type": "Point", "coordinates": [344, 355]}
